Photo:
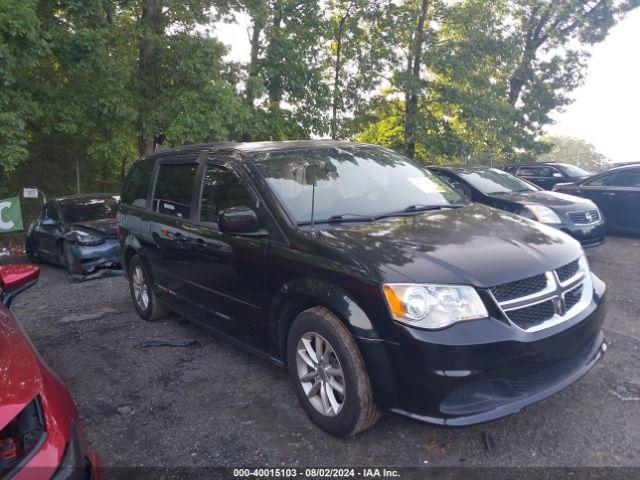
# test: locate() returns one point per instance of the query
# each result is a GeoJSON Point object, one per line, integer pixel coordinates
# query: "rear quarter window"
{"type": "Point", "coordinates": [174, 189]}
{"type": "Point", "coordinates": [136, 186]}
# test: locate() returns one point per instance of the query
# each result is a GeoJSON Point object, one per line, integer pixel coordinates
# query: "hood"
{"type": "Point", "coordinates": [105, 226]}
{"type": "Point", "coordinates": [20, 374]}
{"type": "Point", "coordinates": [556, 200]}
{"type": "Point", "coordinates": [474, 245]}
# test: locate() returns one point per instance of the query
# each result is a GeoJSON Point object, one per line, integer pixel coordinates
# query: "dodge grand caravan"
{"type": "Point", "coordinates": [379, 287]}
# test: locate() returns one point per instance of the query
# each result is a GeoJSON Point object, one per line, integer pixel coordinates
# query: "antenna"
{"type": "Point", "coordinates": [313, 203]}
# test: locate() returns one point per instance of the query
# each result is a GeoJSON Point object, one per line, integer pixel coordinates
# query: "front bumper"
{"type": "Point", "coordinates": [588, 235]}
{"type": "Point", "coordinates": [75, 464]}
{"type": "Point", "coordinates": [484, 369]}
{"type": "Point", "coordinates": [104, 255]}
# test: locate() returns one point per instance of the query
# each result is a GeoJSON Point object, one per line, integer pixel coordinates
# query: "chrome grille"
{"type": "Point", "coordinates": [568, 271]}
{"type": "Point", "coordinates": [534, 315]}
{"type": "Point", "coordinates": [585, 218]}
{"type": "Point", "coordinates": [519, 288]}
{"type": "Point", "coordinates": [542, 301]}
{"type": "Point", "coordinates": [572, 297]}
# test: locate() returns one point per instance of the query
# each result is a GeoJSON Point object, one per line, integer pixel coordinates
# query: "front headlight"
{"type": "Point", "coordinates": [543, 214]}
{"type": "Point", "coordinates": [83, 237]}
{"type": "Point", "coordinates": [433, 306]}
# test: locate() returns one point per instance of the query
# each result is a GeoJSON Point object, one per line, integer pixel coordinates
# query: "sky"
{"type": "Point", "coordinates": [606, 108]}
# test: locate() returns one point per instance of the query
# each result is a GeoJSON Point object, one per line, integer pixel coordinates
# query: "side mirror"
{"type": "Point", "coordinates": [238, 220]}
{"type": "Point", "coordinates": [50, 222]}
{"type": "Point", "coordinates": [15, 279]}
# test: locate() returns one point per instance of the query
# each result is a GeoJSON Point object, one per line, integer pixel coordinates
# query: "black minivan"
{"type": "Point", "coordinates": [379, 287]}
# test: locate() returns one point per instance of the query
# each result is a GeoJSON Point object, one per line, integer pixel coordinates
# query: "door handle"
{"type": "Point", "coordinates": [608, 194]}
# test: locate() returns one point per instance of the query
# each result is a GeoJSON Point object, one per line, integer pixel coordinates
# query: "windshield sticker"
{"type": "Point", "coordinates": [427, 185]}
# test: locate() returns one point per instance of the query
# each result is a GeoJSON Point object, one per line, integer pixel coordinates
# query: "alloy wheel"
{"type": "Point", "coordinates": [140, 288]}
{"type": "Point", "coordinates": [320, 374]}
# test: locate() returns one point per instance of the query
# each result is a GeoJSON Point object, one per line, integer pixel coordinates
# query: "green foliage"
{"type": "Point", "coordinates": [100, 82]}
{"type": "Point", "coordinates": [574, 151]}
{"type": "Point", "coordinates": [22, 45]}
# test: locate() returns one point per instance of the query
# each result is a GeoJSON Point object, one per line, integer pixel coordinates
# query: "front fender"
{"type": "Point", "coordinates": [129, 247]}
{"type": "Point", "coordinates": [302, 293]}
{"type": "Point", "coordinates": [312, 291]}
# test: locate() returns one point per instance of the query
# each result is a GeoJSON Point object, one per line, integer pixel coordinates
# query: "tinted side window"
{"type": "Point", "coordinates": [221, 189]}
{"type": "Point", "coordinates": [599, 181]}
{"type": "Point", "coordinates": [135, 188]}
{"type": "Point", "coordinates": [451, 180]}
{"type": "Point", "coordinates": [174, 188]}
{"type": "Point", "coordinates": [545, 172]}
{"type": "Point", "coordinates": [629, 178]}
{"type": "Point", "coordinates": [527, 171]}
{"type": "Point", "coordinates": [537, 171]}
{"type": "Point", "coordinates": [50, 212]}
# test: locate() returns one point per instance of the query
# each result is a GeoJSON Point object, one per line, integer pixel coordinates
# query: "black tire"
{"type": "Point", "coordinates": [358, 411]}
{"type": "Point", "coordinates": [32, 251]}
{"type": "Point", "coordinates": [68, 261]}
{"type": "Point", "coordinates": [152, 309]}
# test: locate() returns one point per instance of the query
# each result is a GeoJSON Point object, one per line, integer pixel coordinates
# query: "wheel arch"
{"type": "Point", "coordinates": [303, 293]}
{"type": "Point", "coordinates": [131, 247]}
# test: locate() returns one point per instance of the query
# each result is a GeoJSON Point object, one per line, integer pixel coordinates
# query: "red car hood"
{"type": "Point", "coordinates": [20, 368]}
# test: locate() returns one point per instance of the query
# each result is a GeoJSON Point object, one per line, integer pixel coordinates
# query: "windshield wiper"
{"type": "Point", "coordinates": [349, 217]}
{"type": "Point", "coordinates": [342, 218]}
{"type": "Point", "coordinates": [418, 207]}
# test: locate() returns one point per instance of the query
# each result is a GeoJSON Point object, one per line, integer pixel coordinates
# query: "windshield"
{"type": "Point", "coordinates": [89, 209]}
{"type": "Point", "coordinates": [351, 181]}
{"type": "Point", "coordinates": [572, 170]}
{"type": "Point", "coordinates": [492, 180]}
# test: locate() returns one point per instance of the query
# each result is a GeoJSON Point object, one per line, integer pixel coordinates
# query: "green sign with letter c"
{"type": "Point", "coordinates": [10, 215]}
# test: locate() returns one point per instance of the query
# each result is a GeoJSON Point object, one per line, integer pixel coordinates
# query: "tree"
{"type": "Point", "coordinates": [574, 151]}
{"type": "Point", "coordinates": [179, 74]}
{"type": "Point", "coordinates": [285, 84]}
{"type": "Point", "coordinates": [550, 39]}
{"type": "Point", "coordinates": [480, 78]}
{"type": "Point", "coordinates": [22, 46]}
{"type": "Point", "coordinates": [412, 78]}
{"type": "Point", "coordinates": [361, 40]}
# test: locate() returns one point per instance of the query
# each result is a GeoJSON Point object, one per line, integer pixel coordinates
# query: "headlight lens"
{"type": "Point", "coordinates": [433, 306]}
{"type": "Point", "coordinates": [543, 214]}
{"type": "Point", "coordinates": [83, 237]}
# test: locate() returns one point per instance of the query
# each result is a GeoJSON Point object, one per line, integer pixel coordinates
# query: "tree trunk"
{"type": "Point", "coordinates": [152, 27]}
{"type": "Point", "coordinates": [412, 94]}
{"type": "Point", "coordinates": [274, 86]}
{"type": "Point", "coordinates": [259, 19]}
{"type": "Point", "coordinates": [336, 77]}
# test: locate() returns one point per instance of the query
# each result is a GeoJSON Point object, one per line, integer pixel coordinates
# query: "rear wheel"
{"type": "Point", "coordinates": [144, 299]}
{"type": "Point", "coordinates": [329, 375]}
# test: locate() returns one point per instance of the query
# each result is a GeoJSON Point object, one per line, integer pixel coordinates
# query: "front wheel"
{"type": "Point", "coordinates": [144, 299]}
{"type": "Point", "coordinates": [329, 375]}
{"type": "Point", "coordinates": [32, 251]}
{"type": "Point", "coordinates": [68, 260]}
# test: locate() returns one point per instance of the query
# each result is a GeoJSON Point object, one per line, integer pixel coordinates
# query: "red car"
{"type": "Point", "coordinates": [40, 432]}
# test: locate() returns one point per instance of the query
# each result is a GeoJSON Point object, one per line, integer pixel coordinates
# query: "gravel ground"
{"type": "Point", "coordinates": [212, 404]}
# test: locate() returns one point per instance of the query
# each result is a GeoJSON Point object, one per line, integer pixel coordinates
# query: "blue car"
{"type": "Point", "coordinates": [76, 232]}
